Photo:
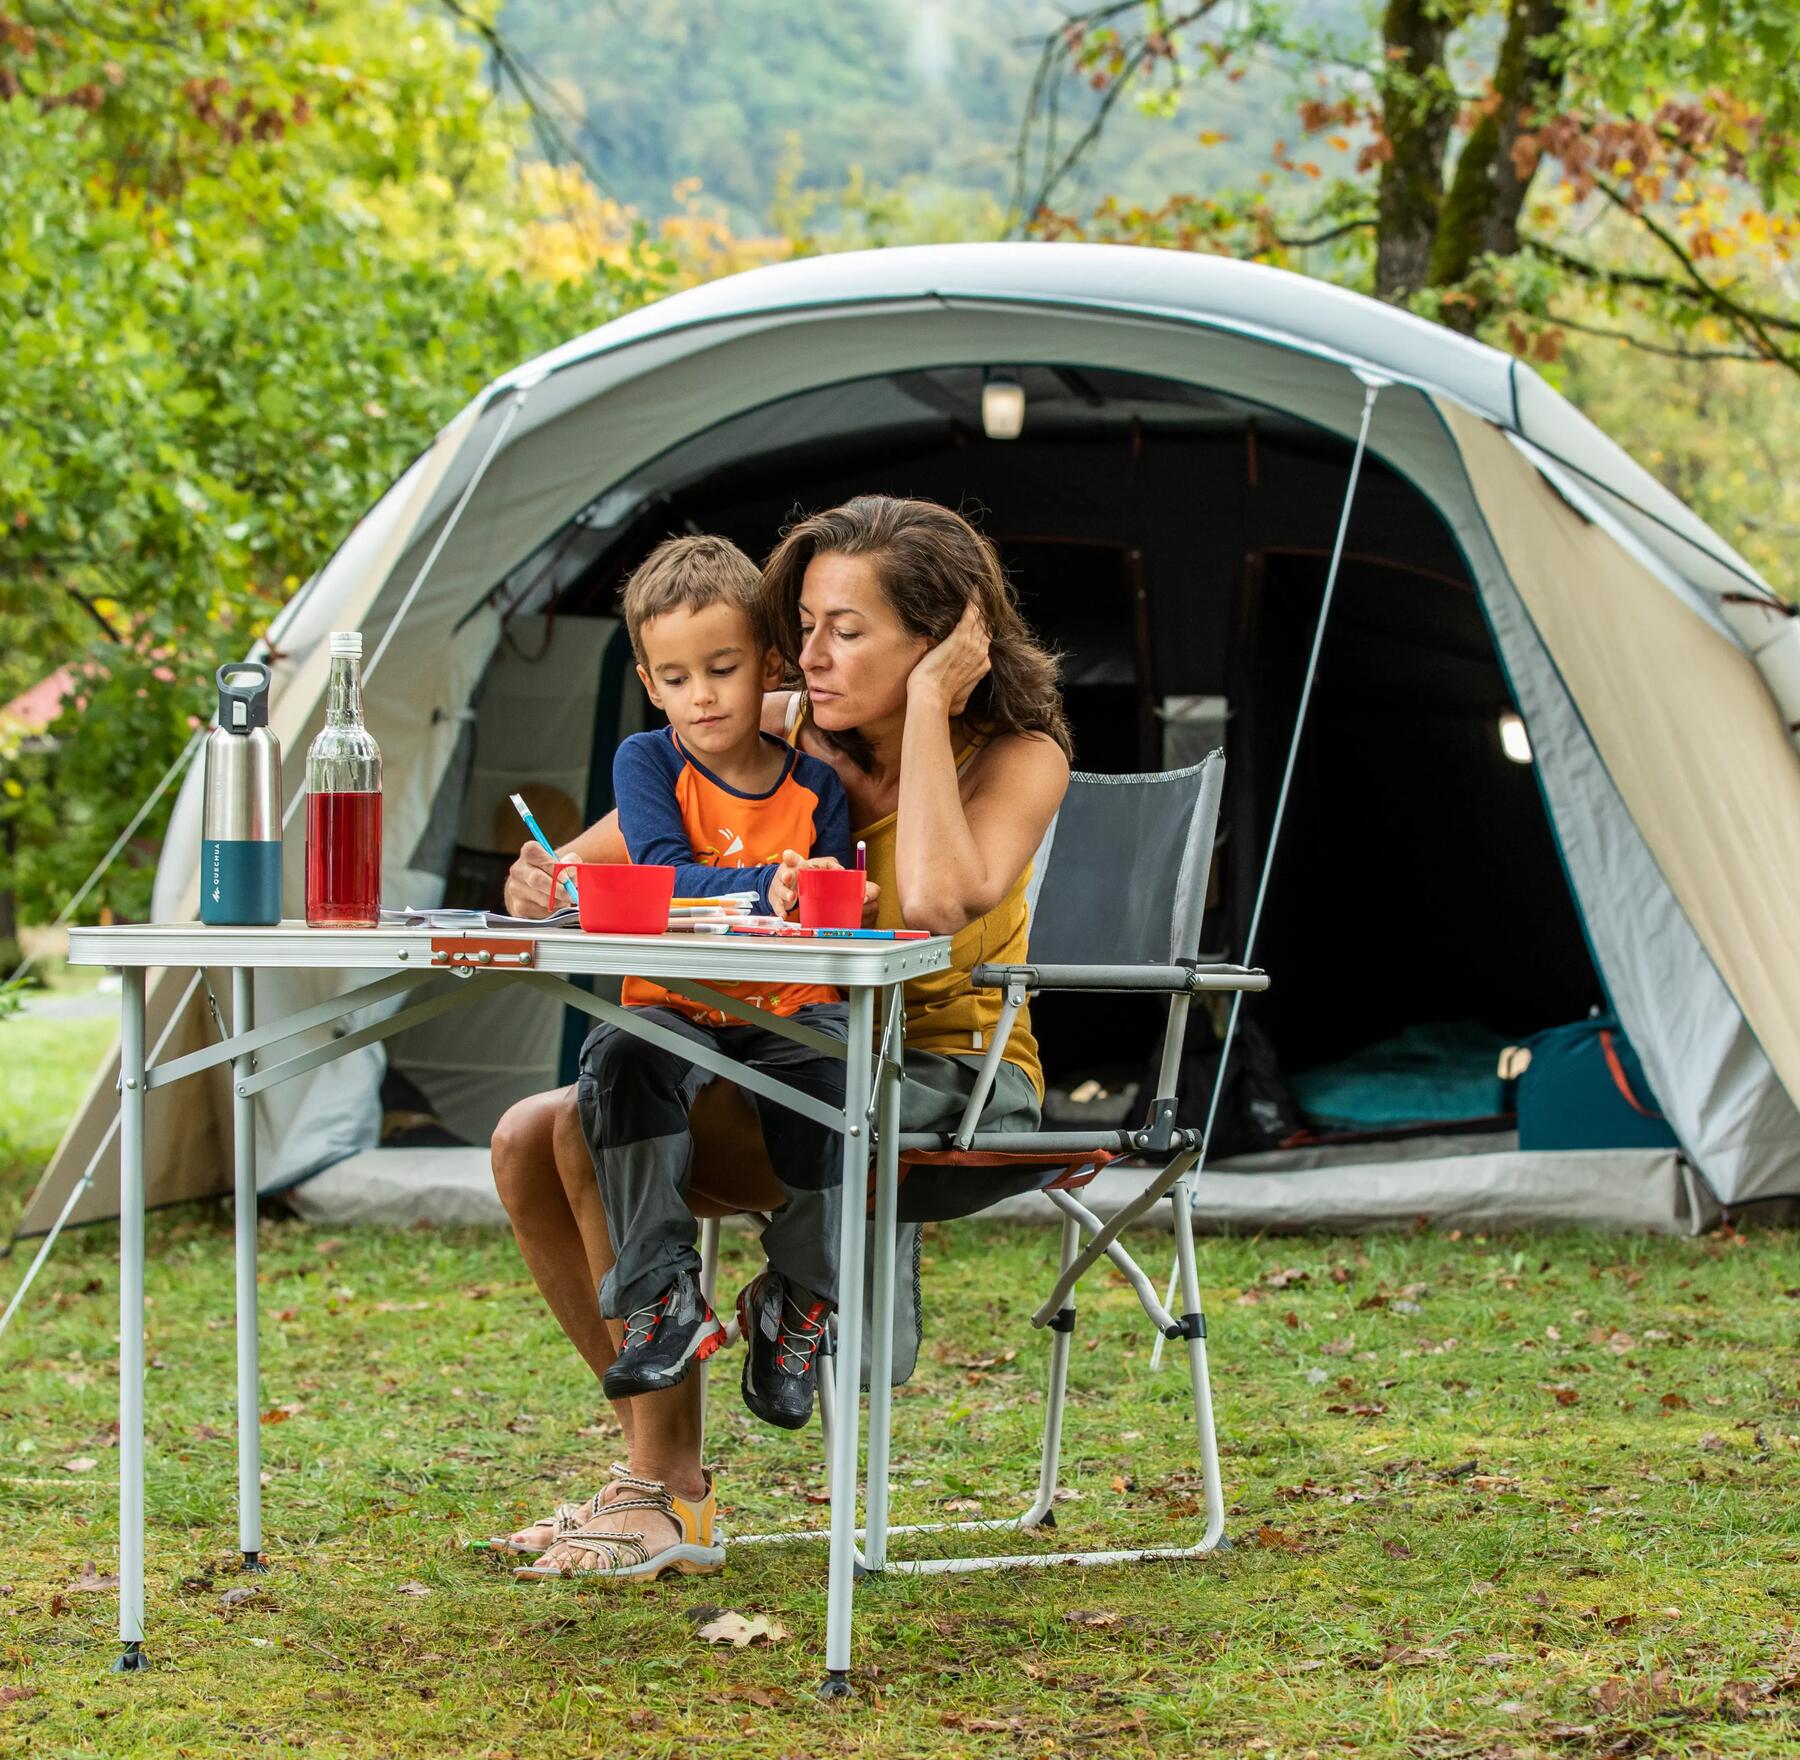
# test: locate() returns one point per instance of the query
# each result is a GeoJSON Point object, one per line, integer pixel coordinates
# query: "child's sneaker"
{"type": "Point", "coordinates": [783, 1328]}
{"type": "Point", "coordinates": [663, 1339]}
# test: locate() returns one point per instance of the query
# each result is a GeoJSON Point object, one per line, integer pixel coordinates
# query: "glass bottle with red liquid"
{"type": "Point", "coordinates": [343, 803]}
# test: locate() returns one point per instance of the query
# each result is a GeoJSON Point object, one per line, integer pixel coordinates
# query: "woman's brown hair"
{"type": "Point", "coordinates": [931, 563]}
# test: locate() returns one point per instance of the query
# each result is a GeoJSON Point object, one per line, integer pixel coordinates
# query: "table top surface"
{"type": "Point", "coordinates": [707, 958]}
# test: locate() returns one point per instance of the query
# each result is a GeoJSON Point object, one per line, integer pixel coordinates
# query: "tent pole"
{"type": "Point", "coordinates": [1373, 385]}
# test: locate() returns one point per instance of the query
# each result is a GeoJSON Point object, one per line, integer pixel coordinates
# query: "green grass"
{"type": "Point", "coordinates": [47, 1065]}
{"type": "Point", "coordinates": [1520, 1497]}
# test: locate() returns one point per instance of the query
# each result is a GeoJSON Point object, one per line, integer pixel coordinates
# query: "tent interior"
{"type": "Point", "coordinates": [1173, 545]}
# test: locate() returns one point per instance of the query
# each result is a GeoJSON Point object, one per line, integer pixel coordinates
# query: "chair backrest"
{"type": "Point", "coordinates": [1120, 878]}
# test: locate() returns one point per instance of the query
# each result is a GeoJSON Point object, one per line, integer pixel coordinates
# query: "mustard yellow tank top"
{"type": "Point", "coordinates": [945, 1012]}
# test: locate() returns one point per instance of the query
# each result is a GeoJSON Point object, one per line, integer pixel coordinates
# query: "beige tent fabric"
{"type": "Point", "coordinates": [187, 1133]}
{"type": "Point", "coordinates": [1681, 718]}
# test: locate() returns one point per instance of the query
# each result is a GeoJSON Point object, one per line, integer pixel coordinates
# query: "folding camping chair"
{"type": "Point", "coordinates": [1145, 841]}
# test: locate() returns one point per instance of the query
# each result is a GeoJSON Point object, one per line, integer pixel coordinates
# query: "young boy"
{"type": "Point", "coordinates": [719, 801]}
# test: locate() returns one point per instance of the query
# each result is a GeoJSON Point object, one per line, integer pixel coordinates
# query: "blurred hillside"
{"type": "Point", "coordinates": [774, 97]}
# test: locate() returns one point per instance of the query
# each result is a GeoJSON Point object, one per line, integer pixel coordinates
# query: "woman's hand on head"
{"type": "Point", "coordinates": [949, 673]}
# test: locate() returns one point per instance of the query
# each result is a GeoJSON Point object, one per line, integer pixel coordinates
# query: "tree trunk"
{"type": "Point", "coordinates": [1418, 107]}
{"type": "Point", "coordinates": [1481, 210]}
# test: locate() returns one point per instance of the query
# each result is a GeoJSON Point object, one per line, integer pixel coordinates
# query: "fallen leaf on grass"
{"type": "Point", "coordinates": [81, 1464]}
{"type": "Point", "coordinates": [1648, 1693]}
{"type": "Point", "coordinates": [735, 1630]}
{"type": "Point", "coordinates": [1277, 1538]}
{"type": "Point", "coordinates": [960, 1504]}
{"type": "Point", "coordinates": [985, 1725]}
{"type": "Point", "coordinates": [1091, 1616]}
{"type": "Point", "coordinates": [1285, 1278]}
{"type": "Point", "coordinates": [1396, 1549]}
{"type": "Point", "coordinates": [1565, 1396]}
{"type": "Point", "coordinates": [1372, 1408]}
{"type": "Point", "coordinates": [88, 1581]}
{"type": "Point", "coordinates": [1674, 1402]}
{"type": "Point", "coordinates": [281, 1414]}
{"type": "Point", "coordinates": [419, 1589]}
{"type": "Point", "coordinates": [12, 1695]}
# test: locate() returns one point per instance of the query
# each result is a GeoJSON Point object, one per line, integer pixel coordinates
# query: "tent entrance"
{"type": "Point", "coordinates": [1172, 543]}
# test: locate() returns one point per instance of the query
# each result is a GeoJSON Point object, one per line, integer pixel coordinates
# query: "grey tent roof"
{"type": "Point", "coordinates": [1220, 293]}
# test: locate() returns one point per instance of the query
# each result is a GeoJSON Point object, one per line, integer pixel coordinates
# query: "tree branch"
{"type": "Point", "coordinates": [1297, 244]}
{"type": "Point", "coordinates": [1702, 295]}
{"type": "Point", "coordinates": [1648, 347]}
{"type": "Point", "coordinates": [1055, 48]}
{"type": "Point", "coordinates": [1757, 323]}
{"type": "Point", "coordinates": [93, 611]}
{"type": "Point", "coordinates": [510, 63]}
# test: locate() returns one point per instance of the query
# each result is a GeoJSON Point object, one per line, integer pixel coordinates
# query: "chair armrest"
{"type": "Point", "coordinates": [1186, 978]}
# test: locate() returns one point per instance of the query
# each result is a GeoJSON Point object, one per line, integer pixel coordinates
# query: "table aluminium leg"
{"type": "Point", "coordinates": [881, 1344]}
{"type": "Point", "coordinates": [131, 1322]}
{"type": "Point", "coordinates": [847, 1430]}
{"type": "Point", "coordinates": [249, 1403]}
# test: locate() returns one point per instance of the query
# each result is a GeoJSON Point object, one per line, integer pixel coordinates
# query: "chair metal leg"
{"type": "Point", "coordinates": [1042, 1513]}
{"type": "Point", "coordinates": [1062, 1326]}
{"type": "Point", "coordinates": [1195, 1323]}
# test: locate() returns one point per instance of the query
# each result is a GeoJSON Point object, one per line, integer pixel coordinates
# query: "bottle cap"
{"type": "Point", "coordinates": [347, 642]}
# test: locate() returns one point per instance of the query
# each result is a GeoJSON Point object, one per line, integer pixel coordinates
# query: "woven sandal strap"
{"type": "Point", "coordinates": [570, 1516]}
{"type": "Point", "coordinates": [626, 1548]}
{"type": "Point", "coordinates": [624, 1476]}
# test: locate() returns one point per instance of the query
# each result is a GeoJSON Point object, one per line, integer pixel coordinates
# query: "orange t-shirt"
{"type": "Point", "coordinates": [718, 839]}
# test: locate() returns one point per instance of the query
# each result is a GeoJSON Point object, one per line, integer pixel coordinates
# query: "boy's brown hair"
{"type": "Point", "coordinates": [689, 574]}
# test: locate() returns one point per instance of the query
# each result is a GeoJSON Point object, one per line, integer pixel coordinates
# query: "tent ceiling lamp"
{"type": "Point", "coordinates": [1002, 406]}
{"type": "Point", "coordinates": [1514, 741]}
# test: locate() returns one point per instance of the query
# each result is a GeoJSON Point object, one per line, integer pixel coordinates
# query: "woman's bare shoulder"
{"type": "Point", "coordinates": [775, 710]}
{"type": "Point", "coordinates": [1015, 757]}
{"type": "Point", "coordinates": [1028, 771]}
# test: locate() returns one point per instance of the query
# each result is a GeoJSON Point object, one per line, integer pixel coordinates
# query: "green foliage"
{"type": "Point", "coordinates": [246, 270]}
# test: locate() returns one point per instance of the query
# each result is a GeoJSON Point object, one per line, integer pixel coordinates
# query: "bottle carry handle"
{"type": "Point", "coordinates": [242, 707]}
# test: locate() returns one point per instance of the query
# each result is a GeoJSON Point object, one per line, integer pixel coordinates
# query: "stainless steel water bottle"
{"type": "Point", "coordinates": [240, 832]}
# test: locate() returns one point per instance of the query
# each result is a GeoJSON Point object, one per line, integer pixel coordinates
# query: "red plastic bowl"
{"type": "Point", "coordinates": [831, 898]}
{"type": "Point", "coordinates": [621, 898]}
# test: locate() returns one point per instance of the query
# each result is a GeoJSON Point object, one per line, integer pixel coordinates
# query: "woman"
{"type": "Point", "coordinates": [925, 691]}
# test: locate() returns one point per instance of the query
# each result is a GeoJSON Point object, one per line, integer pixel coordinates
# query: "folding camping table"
{"type": "Point", "coordinates": [452, 969]}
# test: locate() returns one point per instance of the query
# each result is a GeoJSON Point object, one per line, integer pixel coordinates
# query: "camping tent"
{"type": "Point", "coordinates": [1167, 512]}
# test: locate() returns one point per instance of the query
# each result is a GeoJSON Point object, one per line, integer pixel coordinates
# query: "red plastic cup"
{"type": "Point", "coordinates": [621, 898]}
{"type": "Point", "coordinates": [831, 898]}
